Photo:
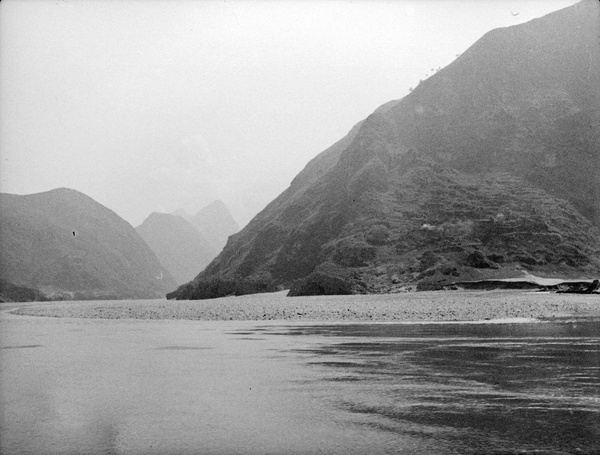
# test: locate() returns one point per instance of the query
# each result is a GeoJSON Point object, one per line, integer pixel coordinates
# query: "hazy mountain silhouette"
{"type": "Point", "coordinates": [178, 245]}
{"type": "Point", "coordinates": [183, 214]}
{"type": "Point", "coordinates": [488, 169]}
{"type": "Point", "coordinates": [215, 223]}
{"type": "Point", "coordinates": [65, 245]}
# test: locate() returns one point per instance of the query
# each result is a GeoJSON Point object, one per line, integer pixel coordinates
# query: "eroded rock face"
{"type": "Point", "coordinates": [478, 260]}
{"type": "Point", "coordinates": [329, 279]}
{"type": "Point", "coordinates": [223, 287]}
{"type": "Point", "coordinates": [489, 168]}
{"type": "Point", "coordinates": [579, 287]}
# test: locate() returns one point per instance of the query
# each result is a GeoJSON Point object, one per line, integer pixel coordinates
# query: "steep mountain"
{"type": "Point", "coordinates": [183, 214]}
{"type": "Point", "coordinates": [215, 223]}
{"type": "Point", "coordinates": [65, 245]}
{"type": "Point", "coordinates": [178, 245]}
{"type": "Point", "coordinates": [489, 169]}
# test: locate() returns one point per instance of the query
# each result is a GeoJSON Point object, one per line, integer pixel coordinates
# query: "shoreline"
{"type": "Point", "coordinates": [433, 306]}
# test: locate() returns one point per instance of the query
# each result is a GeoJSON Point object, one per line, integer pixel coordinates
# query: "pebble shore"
{"type": "Point", "coordinates": [421, 306]}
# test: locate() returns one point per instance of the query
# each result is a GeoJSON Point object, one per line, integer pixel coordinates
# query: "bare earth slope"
{"type": "Point", "coordinates": [66, 245]}
{"type": "Point", "coordinates": [487, 170]}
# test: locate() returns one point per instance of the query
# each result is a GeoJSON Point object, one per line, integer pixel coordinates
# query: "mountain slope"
{"type": "Point", "coordinates": [489, 169]}
{"type": "Point", "coordinates": [215, 223]}
{"type": "Point", "coordinates": [67, 245]}
{"type": "Point", "coordinates": [178, 245]}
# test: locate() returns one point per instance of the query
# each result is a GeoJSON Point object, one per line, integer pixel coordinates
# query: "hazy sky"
{"type": "Point", "coordinates": [156, 105]}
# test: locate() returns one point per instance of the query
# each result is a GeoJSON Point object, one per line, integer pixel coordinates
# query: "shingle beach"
{"type": "Point", "coordinates": [421, 306]}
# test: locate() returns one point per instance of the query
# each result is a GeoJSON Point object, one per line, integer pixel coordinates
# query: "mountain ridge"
{"type": "Point", "coordinates": [488, 169]}
{"type": "Point", "coordinates": [66, 245]}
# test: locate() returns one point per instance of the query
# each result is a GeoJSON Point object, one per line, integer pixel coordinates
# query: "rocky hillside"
{"type": "Point", "coordinates": [64, 245]}
{"type": "Point", "coordinates": [489, 169]}
{"type": "Point", "coordinates": [178, 245]}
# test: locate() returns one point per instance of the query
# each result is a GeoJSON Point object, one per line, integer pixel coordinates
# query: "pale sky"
{"type": "Point", "coordinates": [158, 105]}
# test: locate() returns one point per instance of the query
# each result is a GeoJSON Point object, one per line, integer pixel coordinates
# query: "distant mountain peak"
{"type": "Point", "coordinates": [181, 248]}
{"type": "Point", "coordinates": [216, 208]}
{"type": "Point", "coordinates": [216, 203]}
{"type": "Point", "coordinates": [182, 213]}
{"type": "Point", "coordinates": [215, 223]}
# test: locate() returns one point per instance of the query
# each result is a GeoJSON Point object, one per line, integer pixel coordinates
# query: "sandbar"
{"type": "Point", "coordinates": [409, 307]}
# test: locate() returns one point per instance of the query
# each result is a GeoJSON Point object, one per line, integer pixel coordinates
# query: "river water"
{"type": "Point", "coordinates": [87, 386]}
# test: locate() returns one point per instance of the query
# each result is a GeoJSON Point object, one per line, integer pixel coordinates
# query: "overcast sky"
{"type": "Point", "coordinates": [158, 105]}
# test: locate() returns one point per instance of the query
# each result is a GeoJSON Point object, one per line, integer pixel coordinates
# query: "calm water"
{"type": "Point", "coordinates": [183, 387]}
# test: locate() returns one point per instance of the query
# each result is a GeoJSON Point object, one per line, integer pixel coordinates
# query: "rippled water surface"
{"type": "Point", "coordinates": [184, 387]}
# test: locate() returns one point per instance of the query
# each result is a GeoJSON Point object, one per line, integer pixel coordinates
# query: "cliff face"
{"type": "Point", "coordinates": [488, 169]}
{"type": "Point", "coordinates": [65, 245]}
{"type": "Point", "coordinates": [178, 245]}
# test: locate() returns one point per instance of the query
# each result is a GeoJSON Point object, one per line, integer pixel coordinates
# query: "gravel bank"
{"type": "Point", "coordinates": [422, 306]}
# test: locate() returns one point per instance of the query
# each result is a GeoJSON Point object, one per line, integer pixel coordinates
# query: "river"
{"type": "Point", "coordinates": [91, 386]}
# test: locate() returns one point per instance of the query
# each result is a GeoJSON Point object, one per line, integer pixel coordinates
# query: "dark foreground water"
{"type": "Point", "coordinates": [74, 386]}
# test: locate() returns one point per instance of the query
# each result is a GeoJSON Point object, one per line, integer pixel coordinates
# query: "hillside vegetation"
{"type": "Point", "coordinates": [62, 244]}
{"type": "Point", "coordinates": [489, 169]}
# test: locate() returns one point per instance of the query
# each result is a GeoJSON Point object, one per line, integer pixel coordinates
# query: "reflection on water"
{"type": "Point", "coordinates": [188, 387]}
{"type": "Point", "coordinates": [471, 388]}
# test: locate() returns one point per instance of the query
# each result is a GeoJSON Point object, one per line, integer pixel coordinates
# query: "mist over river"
{"type": "Point", "coordinates": [142, 386]}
